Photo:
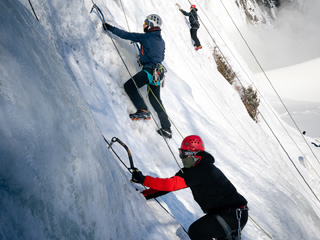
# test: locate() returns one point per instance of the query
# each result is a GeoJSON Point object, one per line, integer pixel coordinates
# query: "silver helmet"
{"type": "Point", "coordinates": [153, 20]}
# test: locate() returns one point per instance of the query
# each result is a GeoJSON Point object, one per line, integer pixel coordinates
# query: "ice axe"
{"type": "Point", "coordinates": [113, 140]}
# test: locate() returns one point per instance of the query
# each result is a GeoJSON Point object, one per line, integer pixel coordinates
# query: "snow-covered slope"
{"type": "Point", "coordinates": [299, 89]}
{"type": "Point", "coordinates": [61, 89]}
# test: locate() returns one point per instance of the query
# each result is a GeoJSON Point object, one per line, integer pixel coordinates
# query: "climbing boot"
{"type": "Point", "coordinates": [165, 133]}
{"type": "Point", "coordinates": [140, 114]}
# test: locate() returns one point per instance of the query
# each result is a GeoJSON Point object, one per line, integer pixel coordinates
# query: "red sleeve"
{"type": "Point", "coordinates": [165, 184]}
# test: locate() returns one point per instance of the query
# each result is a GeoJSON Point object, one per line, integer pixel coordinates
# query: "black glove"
{"type": "Point", "coordinates": [106, 26]}
{"type": "Point", "coordinates": [137, 177]}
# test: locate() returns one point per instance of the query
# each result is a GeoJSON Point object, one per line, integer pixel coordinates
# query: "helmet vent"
{"type": "Point", "coordinates": [192, 143]}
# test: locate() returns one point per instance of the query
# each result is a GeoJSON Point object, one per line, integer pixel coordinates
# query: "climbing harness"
{"type": "Point", "coordinates": [158, 70]}
{"type": "Point", "coordinates": [227, 230]}
{"type": "Point", "coordinates": [158, 74]}
{"type": "Point", "coordinates": [157, 77]}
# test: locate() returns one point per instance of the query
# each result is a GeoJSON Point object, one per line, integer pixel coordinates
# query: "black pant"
{"type": "Point", "coordinates": [194, 37]}
{"type": "Point", "coordinates": [141, 79]}
{"type": "Point", "coordinates": [208, 227]}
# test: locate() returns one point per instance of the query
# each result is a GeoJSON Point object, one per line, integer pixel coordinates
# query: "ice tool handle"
{"type": "Point", "coordinates": [113, 140]}
{"type": "Point", "coordinates": [99, 12]}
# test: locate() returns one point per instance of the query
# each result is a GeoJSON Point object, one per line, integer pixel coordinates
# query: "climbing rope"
{"type": "Point", "coordinates": [260, 227]}
{"type": "Point", "coordinates": [122, 58]}
{"type": "Point", "coordinates": [258, 154]}
{"type": "Point", "coordinates": [232, 126]}
{"type": "Point", "coordinates": [33, 11]}
{"type": "Point", "coordinates": [279, 140]}
{"type": "Point", "coordinates": [217, 108]}
{"type": "Point", "coordinates": [275, 114]}
{"type": "Point", "coordinates": [264, 73]}
{"type": "Point", "coordinates": [261, 95]}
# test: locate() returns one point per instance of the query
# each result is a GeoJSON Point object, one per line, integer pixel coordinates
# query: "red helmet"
{"type": "Point", "coordinates": [193, 6]}
{"type": "Point", "coordinates": [192, 143]}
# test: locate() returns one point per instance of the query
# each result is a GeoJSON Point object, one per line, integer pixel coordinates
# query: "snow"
{"type": "Point", "coordinates": [61, 89]}
{"type": "Point", "coordinates": [298, 88]}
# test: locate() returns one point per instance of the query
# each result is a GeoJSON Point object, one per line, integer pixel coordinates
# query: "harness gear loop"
{"type": "Point", "coordinates": [238, 214]}
{"type": "Point", "coordinates": [157, 77]}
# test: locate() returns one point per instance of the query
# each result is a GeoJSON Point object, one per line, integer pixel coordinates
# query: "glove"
{"type": "Point", "coordinates": [178, 6]}
{"type": "Point", "coordinates": [106, 26]}
{"type": "Point", "coordinates": [137, 177]}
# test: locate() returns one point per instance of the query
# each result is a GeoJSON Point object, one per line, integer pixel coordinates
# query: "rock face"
{"type": "Point", "coordinates": [260, 11]}
{"type": "Point", "coordinates": [271, 3]}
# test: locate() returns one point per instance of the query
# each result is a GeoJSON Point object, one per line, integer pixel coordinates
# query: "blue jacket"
{"type": "Point", "coordinates": [152, 45]}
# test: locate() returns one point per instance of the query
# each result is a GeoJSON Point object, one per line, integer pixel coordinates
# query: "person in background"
{"type": "Point", "coordinates": [226, 211]}
{"type": "Point", "coordinates": [151, 53]}
{"type": "Point", "coordinates": [194, 23]}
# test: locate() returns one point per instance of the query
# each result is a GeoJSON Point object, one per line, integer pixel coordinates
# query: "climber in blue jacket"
{"type": "Point", "coordinates": [151, 53]}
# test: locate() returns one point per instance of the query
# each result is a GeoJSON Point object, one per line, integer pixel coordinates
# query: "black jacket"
{"type": "Point", "coordinates": [211, 189]}
{"type": "Point", "coordinates": [193, 17]}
